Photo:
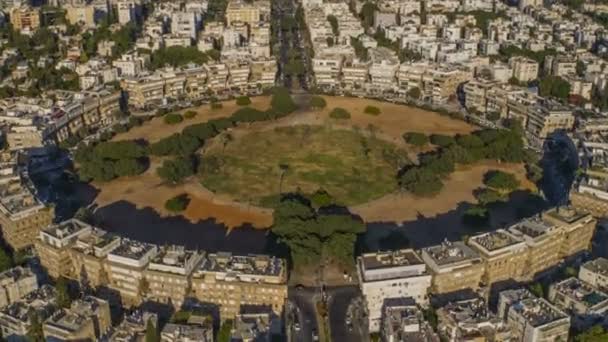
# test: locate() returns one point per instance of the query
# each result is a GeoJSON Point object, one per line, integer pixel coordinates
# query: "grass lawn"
{"type": "Point", "coordinates": [352, 167]}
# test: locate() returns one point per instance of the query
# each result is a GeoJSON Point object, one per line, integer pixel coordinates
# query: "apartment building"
{"type": "Point", "coordinates": [252, 327]}
{"type": "Point", "coordinates": [454, 266]}
{"type": "Point", "coordinates": [143, 92]}
{"type": "Point", "coordinates": [470, 320]}
{"type": "Point", "coordinates": [22, 215]}
{"type": "Point", "coordinates": [547, 117]}
{"type": "Point", "coordinates": [87, 319]}
{"type": "Point", "coordinates": [534, 319]}
{"type": "Point", "coordinates": [524, 69]}
{"type": "Point", "coordinates": [383, 275]}
{"type": "Point", "coordinates": [585, 304]}
{"type": "Point", "coordinates": [16, 319]}
{"type": "Point", "coordinates": [241, 11]}
{"type": "Point", "coordinates": [231, 281]}
{"type": "Point", "coordinates": [544, 242]}
{"type": "Point", "coordinates": [53, 247]}
{"type": "Point", "coordinates": [383, 69]}
{"type": "Point", "coordinates": [16, 283]}
{"type": "Point", "coordinates": [355, 73]}
{"type": "Point", "coordinates": [25, 18]}
{"type": "Point", "coordinates": [595, 273]}
{"type": "Point", "coordinates": [239, 72]}
{"type": "Point", "coordinates": [503, 254]}
{"type": "Point", "coordinates": [186, 333]}
{"type": "Point", "coordinates": [327, 70]}
{"type": "Point", "coordinates": [125, 267]}
{"type": "Point", "coordinates": [577, 225]}
{"type": "Point", "coordinates": [217, 76]}
{"type": "Point", "coordinates": [560, 65]}
{"type": "Point", "coordinates": [263, 73]}
{"type": "Point", "coordinates": [168, 274]}
{"type": "Point", "coordinates": [476, 94]}
{"type": "Point", "coordinates": [88, 254]}
{"type": "Point", "coordinates": [80, 14]}
{"type": "Point", "coordinates": [402, 320]}
{"type": "Point", "coordinates": [133, 326]}
{"type": "Point", "coordinates": [442, 82]}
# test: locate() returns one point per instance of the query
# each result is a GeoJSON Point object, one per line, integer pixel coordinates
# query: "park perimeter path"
{"type": "Point", "coordinates": [457, 188]}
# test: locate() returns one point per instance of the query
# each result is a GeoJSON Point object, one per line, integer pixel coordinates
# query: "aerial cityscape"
{"type": "Point", "coordinates": [304, 170]}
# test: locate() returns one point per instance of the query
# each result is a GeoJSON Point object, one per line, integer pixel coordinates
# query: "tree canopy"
{"type": "Point", "coordinates": [313, 236]}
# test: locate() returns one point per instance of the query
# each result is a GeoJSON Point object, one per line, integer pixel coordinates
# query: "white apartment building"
{"type": "Point", "coordinates": [595, 273]}
{"type": "Point", "coordinates": [392, 274]}
{"type": "Point", "coordinates": [524, 69]}
{"type": "Point", "coordinates": [184, 24]}
{"type": "Point", "coordinates": [128, 11]}
{"type": "Point", "coordinates": [16, 283]}
{"type": "Point", "coordinates": [125, 268]}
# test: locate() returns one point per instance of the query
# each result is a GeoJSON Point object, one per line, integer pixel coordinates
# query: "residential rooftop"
{"type": "Point", "coordinates": [380, 260]}
{"type": "Point", "coordinates": [566, 214]}
{"type": "Point", "coordinates": [531, 227]}
{"type": "Point", "coordinates": [176, 259]}
{"type": "Point", "coordinates": [495, 240]}
{"type": "Point", "coordinates": [14, 274]}
{"type": "Point", "coordinates": [450, 253]}
{"type": "Point", "coordinates": [132, 249]}
{"type": "Point", "coordinates": [42, 300]}
{"type": "Point", "coordinates": [581, 292]}
{"type": "Point", "coordinates": [98, 243]}
{"type": "Point", "coordinates": [225, 262]}
{"type": "Point", "coordinates": [538, 311]}
{"type": "Point", "coordinates": [66, 228]}
{"type": "Point", "coordinates": [599, 266]}
{"type": "Point", "coordinates": [66, 320]}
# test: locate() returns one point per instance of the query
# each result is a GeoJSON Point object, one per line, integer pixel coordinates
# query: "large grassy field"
{"type": "Point", "coordinates": [353, 167]}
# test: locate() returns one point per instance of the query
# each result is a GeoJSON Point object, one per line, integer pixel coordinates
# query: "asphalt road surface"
{"type": "Point", "coordinates": [339, 299]}
{"type": "Point", "coordinates": [303, 300]}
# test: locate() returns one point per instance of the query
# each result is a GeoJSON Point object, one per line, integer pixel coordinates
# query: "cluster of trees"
{"type": "Point", "coordinates": [313, 236]}
{"type": "Point", "coordinates": [108, 160]}
{"type": "Point", "coordinates": [124, 38]}
{"type": "Point", "coordinates": [425, 179]}
{"type": "Point", "coordinates": [177, 56]}
{"type": "Point", "coordinates": [243, 101]}
{"type": "Point", "coordinates": [554, 86]}
{"type": "Point", "coordinates": [178, 203]}
{"type": "Point", "coordinates": [483, 18]}
{"type": "Point", "coordinates": [317, 102]}
{"type": "Point", "coordinates": [499, 185]}
{"type": "Point", "coordinates": [416, 139]}
{"type": "Point", "coordinates": [360, 50]}
{"type": "Point", "coordinates": [173, 118]}
{"type": "Point", "coordinates": [333, 21]}
{"type": "Point", "coordinates": [339, 113]}
{"type": "Point", "coordinates": [372, 110]}
{"type": "Point", "coordinates": [507, 52]}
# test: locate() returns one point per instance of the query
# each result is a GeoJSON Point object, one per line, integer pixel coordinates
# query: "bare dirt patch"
{"type": "Point", "coordinates": [457, 188]}
{"type": "Point", "coordinates": [148, 190]}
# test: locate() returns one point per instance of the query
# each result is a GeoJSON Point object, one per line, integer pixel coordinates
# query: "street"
{"type": "Point", "coordinates": [302, 310]}
{"type": "Point", "coordinates": [343, 329]}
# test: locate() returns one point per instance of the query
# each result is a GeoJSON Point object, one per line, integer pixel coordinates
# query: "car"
{"type": "Point", "coordinates": [315, 336]}
{"type": "Point", "coordinates": [296, 326]}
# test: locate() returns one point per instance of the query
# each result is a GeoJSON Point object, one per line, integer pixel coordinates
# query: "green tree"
{"type": "Point", "coordinates": [34, 331]}
{"type": "Point", "coordinates": [317, 102]}
{"type": "Point", "coordinates": [5, 260]}
{"type": "Point", "coordinates": [537, 289]}
{"type": "Point", "coordinates": [594, 334]}
{"type": "Point", "coordinates": [176, 170]}
{"type": "Point", "coordinates": [339, 113]}
{"type": "Point", "coordinates": [488, 196]}
{"type": "Point", "coordinates": [367, 14]}
{"type": "Point", "coordinates": [493, 116]}
{"type": "Point", "coordinates": [416, 138]}
{"type": "Point", "coordinates": [554, 86]}
{"type": "Point", "coordinates": [128, 167]}
{"type": "Point", "coordinates": [414, 93]}
{"type": "Point", "coordinates": [476, 216]}
{"type": "Point", "coordinates": [372, 110]}
{"type": "Point", "coordinates": [225, 332]}
{"type": "Point", "coordinates": [189, 114]}
{"type": "Point", "coordinates": [442, 140]}
{"type": "Point", "coordinates": [282, 102]}
{"type": "Point", "coordinates": [333, 21]}
{"type": "Point", "coordinates": [502, 182]}
{"type": "Point", "coordinates": [151, 332]}
{"type": "Point", "coordinates": [178, 203]}
{"type": "Point", "coordinates": [421, 182]}
{"type": "Point", "coordinates": [63, 293]}
{"type": "Point", "coordinates": [243, 101]}
{"type": "Point", "coordinates": [173, 118]}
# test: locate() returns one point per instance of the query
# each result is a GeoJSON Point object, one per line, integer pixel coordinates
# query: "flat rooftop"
{"type": "Point", "coordinates": [451, 252]}
{"type": "Point", "coordinates": [380, 260]}
{"type": "Point", "coordinates": [175, 256]}
{"type": "Point", "coordinates": [531, 227]}
{"type": "Point", "coordinates": [16, 273]}
{"type": "Point", "coordinates": [132, 249]}
{"type": "Point", "coordinates": [599, 266]}
{"type": "Point", "coordinates": [579, 291]}
{"type": "Point", "coordinates": [495, 240]}
{"type": "Point", "coordinates": [66, 228]}
{"type": "Point", "coordinates": [224, 262]}
{"type": "Point", "coordinates": [566, 214]}
{"type": "Point", "coordinates": [538, 311]}
{"type": "Point", "coordinates": [67, 320]}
